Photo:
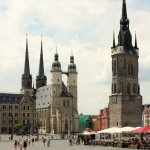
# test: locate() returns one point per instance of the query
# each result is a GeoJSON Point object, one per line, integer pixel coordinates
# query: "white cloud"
{"type": "Point", "coordinates": [82, 26]}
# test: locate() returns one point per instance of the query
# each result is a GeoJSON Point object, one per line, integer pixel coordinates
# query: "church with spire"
{"type": "Point", "coordinates": [125, 101]}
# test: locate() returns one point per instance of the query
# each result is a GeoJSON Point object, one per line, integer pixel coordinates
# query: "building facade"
{"type": "Point", "coordinates": [146, 115]}
{"type": "Point", "coordinates": [104, 118]}
{"type": "Point", "coordinates": [125, 101]}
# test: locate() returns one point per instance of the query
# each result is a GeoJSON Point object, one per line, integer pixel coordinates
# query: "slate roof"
{"type": "Point", "coordinates": [43, 95]}
{"type": "Point", "coordinates": [8, 98]}
{"type": "Point", "coordinates": [64, 91]}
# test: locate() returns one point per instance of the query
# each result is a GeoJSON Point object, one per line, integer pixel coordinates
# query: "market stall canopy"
{"type": "Point", "coordinates": [117, 130]}
{"type": "Point", "coordinates": [109, 130]}
{"type": "Point", "coordinates": [89, 132]}
{"type": "Point", "coordinates": [142, 129]}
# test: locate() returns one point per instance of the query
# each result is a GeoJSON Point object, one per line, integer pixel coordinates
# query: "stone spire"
{"type": "Point", "coordinates": [26, 65]}
{"type": "Point", "coordinates": [113, 39]}
{"type": "Point", "coordinates": [41, 79]}
{"type": "Point", "coordinates": [124, 10]}
{"type": "Point", "coordinates": [125, 37]}
{"type": "Point", "coordinates": [41, 64]}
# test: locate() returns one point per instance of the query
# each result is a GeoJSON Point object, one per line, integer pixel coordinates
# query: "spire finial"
{"type": "Point", "coordinates": [113, 38]}
{"type": "Point", "coordinates": [124, 10]}
{"type": "Point", "coordinates": [56, 49]}
{"type": "Point", "coordinates": [71, 52]}
{"type": "Point", "coordinates": [135, 41]}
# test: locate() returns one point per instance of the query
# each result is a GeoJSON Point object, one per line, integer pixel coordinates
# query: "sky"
{"type": "Point", "coordinates": [83, 26]}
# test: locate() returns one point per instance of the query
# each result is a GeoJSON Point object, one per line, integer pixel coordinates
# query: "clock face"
{"type": "Point", "coordinates": [114, 99]}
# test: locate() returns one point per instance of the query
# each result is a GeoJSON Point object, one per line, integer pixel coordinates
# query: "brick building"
{"type": "Point", "coordinates": [104, 118]}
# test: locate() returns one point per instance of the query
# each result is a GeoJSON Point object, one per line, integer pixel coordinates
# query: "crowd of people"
{"type": "Point", "coordinates": [24, 144]}
{"type": "Point", "coordinates": [140, 143]}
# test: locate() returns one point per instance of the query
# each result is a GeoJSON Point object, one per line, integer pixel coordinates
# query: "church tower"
{"type": "Point", "coordinates": [125, 101]}
{"type": "Point", "coordinates": [72, 81]}
{"type": "Point", "coordinates": [26, 77]}
{"type": "Point", "coordinates": [56, 90]}
{"type": "Point", "coordinates": [41, 79]}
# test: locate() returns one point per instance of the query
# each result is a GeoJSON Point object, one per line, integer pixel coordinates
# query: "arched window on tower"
{"type": "Point", "coordinates": [134, 88]}
{"type": "Point", "coordinates": [112, 88]}
{"type": "Point", "coordinates": [128, 87]}
{"type": "Point", "coordinates": [115, 90]}
{"type": "Point", "coordinates": [131, 68]}
{"type": "Point", "coordinates": [114, 68]}
{"type": "Point", "coordinates": [28, 84]}
{"type": "Point", "coordinates": [43, 84]}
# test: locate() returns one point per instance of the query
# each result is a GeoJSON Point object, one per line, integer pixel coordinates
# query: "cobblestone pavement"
{"type": "Point", "coordinates": [55, 145]}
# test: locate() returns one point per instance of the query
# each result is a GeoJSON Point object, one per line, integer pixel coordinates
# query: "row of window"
{"type": "Point", "coordinates": [131, 70]}
{"type": "Point", "coordinates": [66, 103]}
{"type": "Point", "coordinates": [10, 107]}
{"type": "Point", "coordinates": [130, 89]}
{"type": "Point", "coordinates": [15, 107]}
{"type": "Point", "coordinates": [9, 122]}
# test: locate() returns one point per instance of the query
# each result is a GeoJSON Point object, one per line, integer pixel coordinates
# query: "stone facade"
{"type": "Point", "coordinates": [125, 101]}
{"type": "Point", "coordinates": [17, 109]}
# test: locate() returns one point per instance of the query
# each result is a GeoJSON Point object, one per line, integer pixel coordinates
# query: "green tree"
{"type": "Point", "coordinates": [18, 127]}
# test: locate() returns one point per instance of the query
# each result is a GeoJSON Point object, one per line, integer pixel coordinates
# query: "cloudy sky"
{"type": "Point", "coordinates": [84, 26]}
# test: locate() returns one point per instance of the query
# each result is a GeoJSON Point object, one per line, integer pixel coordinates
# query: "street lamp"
{"type": "Point", "coordinates": [37, 127]}
{"type": "Point", "coordinates": [12, 127]}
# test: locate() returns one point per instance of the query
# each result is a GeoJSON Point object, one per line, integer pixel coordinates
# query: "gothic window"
{"type": "Point", "coordinates": [131, 68]}
{"type": "Point", "coordinates": [63, 102]}
{"type": "Point", "coordinates": [128, 87]}
{"type": "Point", "coordinates": [67, 102]}
{"type": "Point", "coordinates": [115, 90]}
{"type": "Point", "coordinates": [112, 88]}
{"type": "Point", "coordinates": [134, 88]}
{"type": "Point", "coordinates": [28, 84]}
{"type": "Point", "coordinates": [43, 84]}
{"type": "Point", "coordinates": [114, 68]}
{"type": "Point", "coordinates": [117, 123]}
{"type": "Point", "coordinates": [66, 125]}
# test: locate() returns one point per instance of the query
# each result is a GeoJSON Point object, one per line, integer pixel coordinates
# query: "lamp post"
{"type": "Point", "coordinates": [12, 127]}
{"type": "Point", "coordinates": [37, 127]}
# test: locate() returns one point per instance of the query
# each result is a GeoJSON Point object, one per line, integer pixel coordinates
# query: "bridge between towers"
{"type": "Point", "coordinates": [65, 72]}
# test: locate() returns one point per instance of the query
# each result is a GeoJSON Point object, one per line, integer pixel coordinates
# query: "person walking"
{"type": "Point", "coordinates": [32, 141]}
{"type": "Point", "coordinates": [44, 140]}
{"type": "Point", "coordinates": [20, 146]}
{"type": "Point", "coordinates": [25, 144]}
{"type": "Point", "coordinates": [48, 141]}
{"type": "Point", "coordinates": [15, 145]}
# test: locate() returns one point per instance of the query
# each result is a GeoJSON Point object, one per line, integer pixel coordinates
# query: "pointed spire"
{"type": "Point", "coordinates": [113, 39]}
{"type": "Point", "coordinates": [135, 41]}
{"type": "Point", "coordinates": [72, 57]}
{"type": "Point", "coordinates": [124, 10]}
{"type": "Point", "coordinates": [56, 55]}
{"type": "Point", "coordinates": [41, 64]}
{"type": "Point", "coordinates": [26, 66]}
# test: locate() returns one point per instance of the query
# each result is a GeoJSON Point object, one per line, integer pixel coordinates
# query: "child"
{"type": "Point", "coordinates": [20, 146]}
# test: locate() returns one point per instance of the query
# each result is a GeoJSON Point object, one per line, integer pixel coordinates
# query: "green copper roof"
{"type": "Point", "coordinates": [72, 66]}
{"type": "Point", "coordinates": [56, 64]}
